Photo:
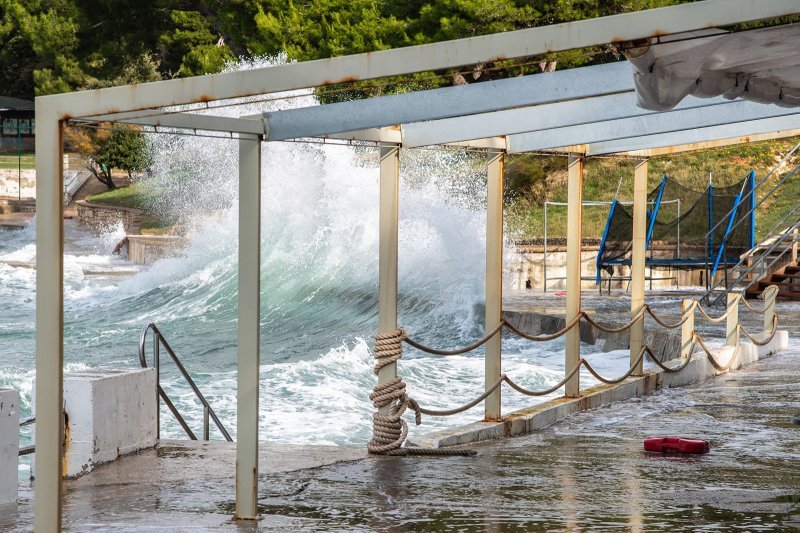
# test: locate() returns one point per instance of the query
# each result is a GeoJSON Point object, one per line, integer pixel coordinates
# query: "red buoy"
{"type": "Point", "coordinates": [675, 445]}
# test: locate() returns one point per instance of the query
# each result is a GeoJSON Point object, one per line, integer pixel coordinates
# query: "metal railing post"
{"type": "Point", "coordinates": [732, 322]}
{"type": "Point", "coordinates": [572, 353]}
{"type": "Point", "coordinates": [205, 422]}
{"type": "Point", "coordinates": [157, 365]}
{"type": "Point", "coordinates": [770, 295]}
{"type": "Point", "coordinates": [794, 245]}
{"type": "Point", "coordinates": [687, 328]}
{"type": "Point", "coordinates": [638, 253]}
{"type": "Point", "coordinates": [494, 280]}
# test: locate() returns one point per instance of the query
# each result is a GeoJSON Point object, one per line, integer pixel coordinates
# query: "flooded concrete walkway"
{"type": "Point", "coordinates": [586, 472]}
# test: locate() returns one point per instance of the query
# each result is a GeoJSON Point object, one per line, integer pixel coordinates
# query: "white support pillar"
{"type": "Point", "coordinates": [638, 260]}
{"type": "Point", "coordinates": [494, 279]}
{"type": "Point", "coordinates": [247, 374]}
{"type": "Point", "coordinates": [574, 238]}
{"type": "Point", "coordinates": [687, 328]}
{"type": "Point", "coordinates": [794, 245]}
{"type": "Point", "coordinates": [770, 295]}
{"type": "Point", "coordinates": [387, 251]}
{"type": "Point", "coordinates": [49, 321]}
{"type": "Point", "coordinates": [732, 322]}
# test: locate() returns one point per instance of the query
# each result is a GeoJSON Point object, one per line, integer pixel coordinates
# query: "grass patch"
{"type": "Point", "coordinates": [27, 161]}
{"type": "Point", "coordinates": [139, 196]}
{"type": "Point", "coordinates": [534, 179]}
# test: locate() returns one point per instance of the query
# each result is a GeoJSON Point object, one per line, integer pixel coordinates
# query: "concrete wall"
{"type": "Point", "coordinates": [107, 413]}
{"type": "Point", "coordinates": [527, 266]}
{"type": "Point", "coordinates": [147, 249]}
{"type": "Point", "coordinates": [9, 445]}
{"type": "Point", "coordinates": [98, 216]}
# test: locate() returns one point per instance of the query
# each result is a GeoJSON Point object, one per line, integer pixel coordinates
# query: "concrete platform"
{"type": "Point", "coordinates": [587, 472]}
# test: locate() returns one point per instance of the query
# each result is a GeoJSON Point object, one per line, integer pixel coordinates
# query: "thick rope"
{"type": "Point", "coordinates": [686, 316]}
{"type": "Point", "coordinates": [764, 342]}
{"type": "Point", "coordinates": [718, 319]}
{"type": "Point", "coordinates": [458, 351]}
{"type": "Point", "coordinates": [636, 318]}
{"type": "Point", "coordinates": [549, 336]}
{"type": "Point", "coordinates": [389, 431]}
{"type": "Point", "coordinates": [713, 360]}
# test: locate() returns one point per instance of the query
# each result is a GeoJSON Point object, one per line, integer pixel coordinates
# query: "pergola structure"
{"type": "Point", "coordinates": [581, 112]}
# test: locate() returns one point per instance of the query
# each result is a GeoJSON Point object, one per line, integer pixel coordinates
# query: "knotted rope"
{"type": "Point", "coordinates": [389, 431]}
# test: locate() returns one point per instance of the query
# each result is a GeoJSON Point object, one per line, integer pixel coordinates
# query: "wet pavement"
{"type": "Point", "coordinates": [588, 472]}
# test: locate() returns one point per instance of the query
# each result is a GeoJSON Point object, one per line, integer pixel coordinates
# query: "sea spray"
{"type": "Point", "coordinates": [319, 285]}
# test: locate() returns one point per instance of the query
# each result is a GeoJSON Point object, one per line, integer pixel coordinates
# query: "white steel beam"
{"type": "Point", "coordinates": [630, 128]}
{"type": "Point", "coordinates": [188, 121]}
{"type": "Point", "coordinates": [428, 57]}
{"type": "Point", "coordinates": [49, 322]}
{"type": "Point", "coordinates": [540, 117]}
{"type": "Point", "coordinates": [248, 344]}
{"type": "Point", "coordinates": [638, 240]}
{"type": "Point", "coordinates": [448, 102]}
{"type": "Point", "coordinates": [700, 138]}
{"type": "Point", "coordinates": [387, 252]}
{"type": "Point", "coordinates": [572, 351]}
{"type": "Point", "coordinates": [494, 280]}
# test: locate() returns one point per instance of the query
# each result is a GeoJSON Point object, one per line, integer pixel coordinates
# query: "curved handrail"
{"type": "Point", "coordinates": [208, 410]}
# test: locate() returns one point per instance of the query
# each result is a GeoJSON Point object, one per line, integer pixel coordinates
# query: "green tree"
{"type": "Point", "coordinates": [107, 148]}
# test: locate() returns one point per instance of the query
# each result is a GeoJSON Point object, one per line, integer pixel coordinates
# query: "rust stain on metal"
{"type": "Point", "coordinates": [65, 445]}
{"type": "Point", "coordinates": [205, 98]}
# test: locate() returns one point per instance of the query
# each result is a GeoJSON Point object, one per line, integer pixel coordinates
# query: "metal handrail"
{"type": "Point", "coordinates": [158, 341]}
{"type": "Point", "coordinates": [761, 261]}
{"type": "Point", "coordinates": [713, 285]}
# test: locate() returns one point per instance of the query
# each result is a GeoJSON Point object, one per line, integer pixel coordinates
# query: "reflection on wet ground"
{"type": "Point", "coordinates": [588, 472]}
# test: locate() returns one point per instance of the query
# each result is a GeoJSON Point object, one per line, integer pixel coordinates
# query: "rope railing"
{"type": "Point", "coordinates": [391, 400]}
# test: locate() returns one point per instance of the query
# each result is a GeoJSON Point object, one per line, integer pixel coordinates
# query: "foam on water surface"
{"type": "Point", "coordinates": [319, 287]}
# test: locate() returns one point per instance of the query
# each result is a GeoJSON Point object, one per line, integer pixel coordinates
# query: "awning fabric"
{"type": "Point", "coordinates": [759, 65]}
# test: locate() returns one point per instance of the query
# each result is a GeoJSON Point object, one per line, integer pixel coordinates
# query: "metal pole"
{"type": "Point", "coordinates": [387, 251]}
{"type": "Point", "coordinates": [494, 279]}
{"type": "Point", "coordinates": [770, 295]}
{"type": "Point", "coordinates": [205, 422]}
{"type": "Point", "coordinates": [49, 322]}
{"type": "Point", "coordinates": [638, 261]}
{"type": "Point", "coordinates": [573, 303]}
{"type": "Point", "coordinates": [794, 245]}
{"type": "Point", "coordinates": [248, 334]}
{"type": "Point", "coordinates": [687, 328]}
{"type": "Point", "coordinates": [732, 322]}
{"type": "Point", "coordinates": [157, 365]}
{"type": "Point", "coordinates": [19, 163]}
{"type": "Point", "coordinates": [544, 260]}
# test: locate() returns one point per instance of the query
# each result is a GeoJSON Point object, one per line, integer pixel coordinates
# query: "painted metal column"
{"type": "Point", "coordinates": [387, 251]}
{"type": "Point", "coordinates": [49, 322]}
{"type": "Point", "coordinates": [732, 322]}
{"type": "Point", "coordinates": [687, 328]}
{"type": "Point", "coordinates": [770, 295]}
{"type": "Point", "coordinates": [638, 260]}
{"type": "Point", "coordinates": [574, 237]}
{"type": "Point", "coordinates": [494, 279]}
{"type": "Point", "coordinates": [247, 374]}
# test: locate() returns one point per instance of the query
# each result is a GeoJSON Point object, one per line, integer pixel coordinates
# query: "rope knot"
{"type": "Point", "coordinates": [389, 431]}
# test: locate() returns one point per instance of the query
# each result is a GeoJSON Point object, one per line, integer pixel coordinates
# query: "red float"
{"type": "Point", "coordinates": [675, 445]}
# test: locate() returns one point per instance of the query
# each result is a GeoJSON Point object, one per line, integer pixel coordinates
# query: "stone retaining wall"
{"type": "Point", "coordinates": [147, 249]}
{"type": "Point", "coordinates": [98, 216]}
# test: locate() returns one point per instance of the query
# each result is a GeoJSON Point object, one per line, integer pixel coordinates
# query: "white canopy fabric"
{"type": "Point", "coordinates": [759, 65]}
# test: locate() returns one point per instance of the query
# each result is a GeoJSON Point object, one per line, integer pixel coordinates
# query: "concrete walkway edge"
{"type": "Point", "coordinates": [540, 416]}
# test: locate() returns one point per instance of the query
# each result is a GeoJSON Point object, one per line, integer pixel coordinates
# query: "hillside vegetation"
{"type": "Point", "coordinates": [52, 46]}
{"type": "Point", "coordinates": [533, 179]}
